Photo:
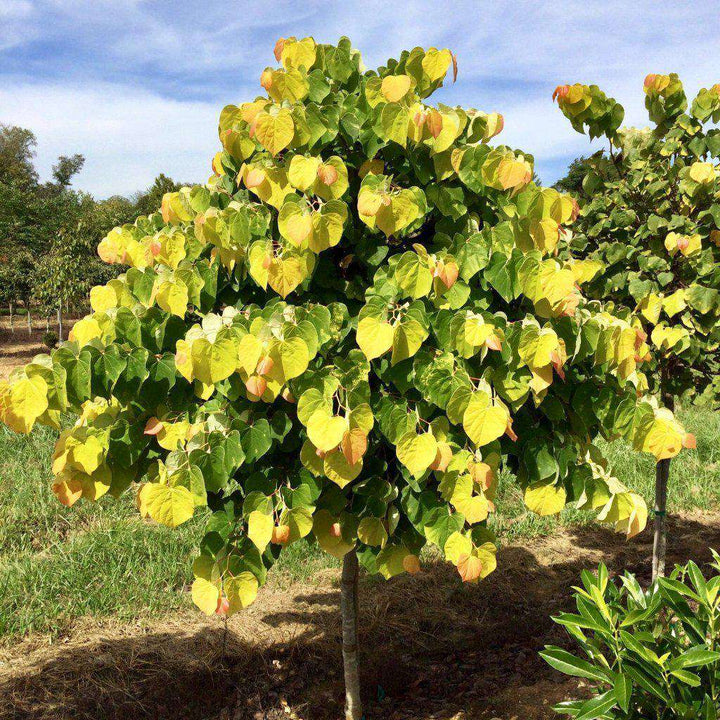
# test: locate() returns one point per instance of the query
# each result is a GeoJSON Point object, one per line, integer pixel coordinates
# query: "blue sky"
{"type": "Point", "coordinates": [137, 85]}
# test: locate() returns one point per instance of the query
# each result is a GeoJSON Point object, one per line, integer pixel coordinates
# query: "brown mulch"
{"type": "Point", "coordinates": [432, 648]}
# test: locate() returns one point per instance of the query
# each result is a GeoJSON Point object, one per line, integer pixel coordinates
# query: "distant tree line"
{"type": "Point", "coordinates": [49, 232]}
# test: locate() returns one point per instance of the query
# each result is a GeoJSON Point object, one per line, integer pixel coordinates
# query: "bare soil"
{"type": "Point", "coordinates": [433, 649]}
{"type": "Point", "coordinates": [19, 347]}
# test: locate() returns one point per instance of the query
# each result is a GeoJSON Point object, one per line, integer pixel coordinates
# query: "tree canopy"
{"type": "Point", "coordinates": [346, 335]}
{"type": "Point", "coordinates": [651, 216]}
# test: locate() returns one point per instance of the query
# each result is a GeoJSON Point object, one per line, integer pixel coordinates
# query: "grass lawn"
{"type": "Point", "coordinates": [58, 563]}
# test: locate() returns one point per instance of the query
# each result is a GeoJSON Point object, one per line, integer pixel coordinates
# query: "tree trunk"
{"type": "Point", "coordinates": [47, 323]}
{"type": "Point", "coordinates": [662, 473]}
{"type": "Point", "coordinates": [29, 320]}
{"type": "Point", "coordinates": [349, 612]}
{"type": "Point", "coordinates": [12, 329]}
{"type": "Point", "coordinates": [59, 319]}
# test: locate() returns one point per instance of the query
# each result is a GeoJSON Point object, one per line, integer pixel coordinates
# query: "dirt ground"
{"type": "Point", "coordinates": [19, 347]}
{"type": "Point", "coordinates": [432, 649]}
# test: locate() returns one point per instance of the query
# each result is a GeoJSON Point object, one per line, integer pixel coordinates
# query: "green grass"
{"type": "Point", "coordinates": [694, 480]}
{"type": "Point", "coordinates": [58, 564]}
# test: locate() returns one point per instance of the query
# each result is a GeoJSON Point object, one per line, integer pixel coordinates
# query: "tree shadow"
{"type": "Point", "coordinates": [432, 647]}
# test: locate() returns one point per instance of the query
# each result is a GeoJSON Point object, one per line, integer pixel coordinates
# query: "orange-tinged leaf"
{"type": "Point", "coordinates": [411, 564]}
{"type": "Point", "coordinates": [327, 174]}
{"type": "Point", "coordinates": [256, 385]}
{"type": "Point", "coordinates": [469, 567]}
{"type": "Point", "coordinates": [280, 534]}
{"type": "Point", "coordinates": [68, 492]}
{"type": "Point", "coordinates": [689, 441]}
{"type": "Point", "coordinates": [153, 426]}
{"type": "Point", "coordinates": [442, 457]}
{"type": "Point", "coordinates": [265, 365]}
{"type": "Point", "coordinates": [279, 45]}
{"type": "Point", "coordinates": [354, 445]}
{"type": "Point", "coordinates": [254, 177]}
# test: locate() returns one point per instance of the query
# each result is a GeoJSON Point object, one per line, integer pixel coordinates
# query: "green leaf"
{"type": "Point", "coordinates": [569, 664]}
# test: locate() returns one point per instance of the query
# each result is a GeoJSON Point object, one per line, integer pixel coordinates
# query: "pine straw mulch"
{"type": "Point", "coordinates": [432, 648]}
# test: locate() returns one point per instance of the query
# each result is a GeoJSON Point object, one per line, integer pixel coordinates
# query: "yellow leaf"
{"type": "Point", "coordinates": [249, 351]}
{"type": "Point", "coordinates": [260, 529]}
{"type": "Point", "coordinates": [435, 63]}
{"type": "Point", "coordinates": [172, 296]}
{"type": "Point", "coordinates": [407, 340]}
{"type": "Point", "coordinates": [284, 275]}
{"type": "Point", "coordinates": [675, 303]}
{"type": "Point", "coordinates": [183, 360]}
{"type": "Point", "coordinates": [325, 430]}
{"type": "Point", "coordinates": [338, 469]}
{"type": "Point", "coordinates": [23, 402]}
{"type": "Point", "coordinates": [274, 131]}
{"type": "Point", "coordinates": [702, 172]}
{"type": "Point", "coordinates": [85, 330]}
{"type": "Point", "coordinates": [483, 422]}
{"type": "Point", "coordinates": [545, 498]}
{"type": "Point", "coordinates": [290, 358]}
{"type": "Point", "coordinates": [417, 452]}
{"type": "Point", "coordinates": [664, 437]}
{"type": "Point", "coordinates": [241, 591]}
{"type": "Point", "coordinates": [167, 505]}
{"type": "Point", "coordinates": [103, 298]}
{"type": "Point", "coordinates": [371, 531]}
{"type": "Point", "coordinates": [302, 171]}
{"type": "Point", "coordinates": [205, 594]}
{"type": "Point", "coordinates": [213, 362]}
{"type": "Point", "coordinates": [395, 87]}
{"type": "Point", "coordinates": [457, 545]}
{"type": "Point", "coordinates": [374, 337]}
{"type": "Point", "coordinates": [295, 223]}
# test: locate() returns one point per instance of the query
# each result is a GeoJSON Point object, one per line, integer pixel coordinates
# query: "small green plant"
{"type": "Point", "coordinates": [50, 339]}
{"type": "Point", "coordinates": [650, 653]}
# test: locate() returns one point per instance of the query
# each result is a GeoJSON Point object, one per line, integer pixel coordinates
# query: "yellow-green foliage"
{"type": "Point", "coordinates": [346, 333]}
{"type": "Point", "coordinates": [651, 217]}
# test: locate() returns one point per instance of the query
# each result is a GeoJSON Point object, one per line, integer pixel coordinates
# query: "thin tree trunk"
{"type": "Point", "coordinates": [47, 323]}
{"type": "Point", "coordinates": [29, 321]}
{"type": "Point", "coordinates": [59, 320]}
{"type": "Point", "coordinates": [662, 474]}
{"type": "Point", "coordinates": [349, 612]}
{"type": "Point", "coordinates": [12, 329]}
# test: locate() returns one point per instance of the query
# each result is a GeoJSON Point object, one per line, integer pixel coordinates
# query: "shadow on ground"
{"type": "Point", "coordinates": [432, 648]}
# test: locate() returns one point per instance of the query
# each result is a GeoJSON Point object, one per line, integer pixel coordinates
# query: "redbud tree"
{"type": "Point", "coordinates": [651, 218]}
{"type": "Point", "coordinates": [343, 336]}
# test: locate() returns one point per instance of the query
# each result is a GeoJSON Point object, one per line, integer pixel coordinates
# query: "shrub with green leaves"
{"type": "Point", "coordinates": [650, 214]}
{"type": "Point", "coordinates": [344, 335]}
{"type": "Point", "coordinates": [647, 653]}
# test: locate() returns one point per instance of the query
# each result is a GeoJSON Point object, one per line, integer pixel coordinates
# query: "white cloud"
{"type": "Point", "coordinates": [127, 135]}
{"type": "Point", "coordinates": [132, 66]}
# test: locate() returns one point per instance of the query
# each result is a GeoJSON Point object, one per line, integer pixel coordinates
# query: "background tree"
{"type": "Point", "coordinates": [651, 217]}
{"type": "Point", "coordinates": [344, 336]}
{"type": "Point", "coordinates": [50, 231]}
{"type": "Point", "coordinates": [147, 202]}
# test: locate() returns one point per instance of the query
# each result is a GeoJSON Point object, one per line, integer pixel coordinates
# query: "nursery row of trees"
{"type": "Point", "coordinates": [49, 231]}
{"type": "Point", "coordinates": [371, 310]}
